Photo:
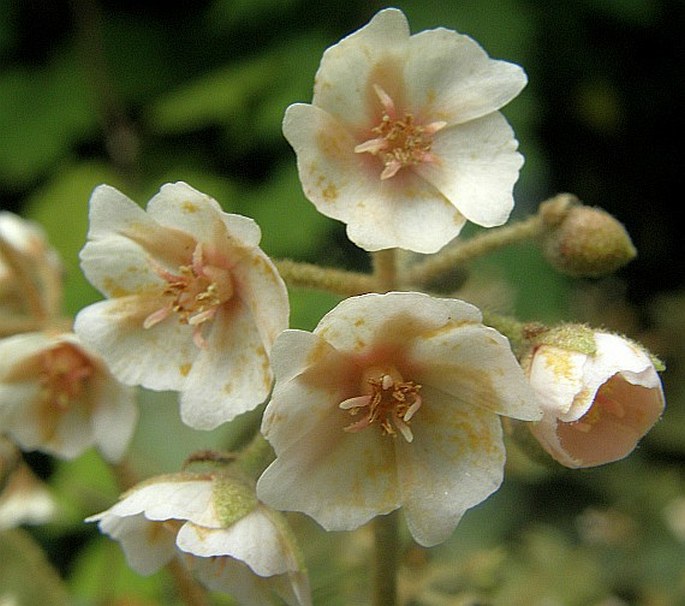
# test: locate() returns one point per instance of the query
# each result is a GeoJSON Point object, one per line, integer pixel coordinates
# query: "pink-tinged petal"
{"type": "Point", "coordinates": [180, 206]}
{"type": "Point", "coordinates": [176, 499]}
{"type": "Point", "coordinates": [254, 540]}
{"type": "Point", "coordinates": [229, 376]}
{"type": "Point", "coordinates": [475, 364]}
{"type": "Point", "coordinates": [476, 169]}
{"type": "Point", "coordinates": [148, 546]}
{"type": "Point", "coordinates": [158, 358]}
{"type": "Point", "coordinates": [451, 78]}
{"type": "Point", "coordinates": [371, 55]}
{"type": "Point", "coordinates": [305, 426]}
{"type": "Point", "coordinates": [611, 434]}
{"type": "Point", "coordinates": [455, 461]}
{"type": "Point", "coordinates": [404, 211]}
{"type": "Point", "coordinates": [614, 355]}
{"type": "Point", "coordinates": [390, 318]}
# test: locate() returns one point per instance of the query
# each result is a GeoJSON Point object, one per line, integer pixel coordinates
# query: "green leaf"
{"type": "Point", "coordinates": [43, 113]}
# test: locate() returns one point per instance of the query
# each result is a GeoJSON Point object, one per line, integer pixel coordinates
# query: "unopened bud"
{"type": "Point", "coordinates": [600, 394]}
{"type": "Point", "coordinates": [586, 242]}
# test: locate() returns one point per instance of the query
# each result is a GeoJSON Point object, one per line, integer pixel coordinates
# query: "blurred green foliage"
{"type": "Point", "coordinates": [135, 95]}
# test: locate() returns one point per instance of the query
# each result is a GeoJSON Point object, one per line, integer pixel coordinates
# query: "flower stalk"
{"type": "Point", "coordinates": [336, 281]}
{"type": "Point", "coordinates": [385, 269]}
{"type": "Point", "coordinates": [386, 549]}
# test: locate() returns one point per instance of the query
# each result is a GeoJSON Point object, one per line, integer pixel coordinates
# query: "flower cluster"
{"type": "Point", "coordinates": [394, 401]}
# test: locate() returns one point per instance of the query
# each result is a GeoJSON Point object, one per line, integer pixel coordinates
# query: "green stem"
{"type": "Point", "coordinates": [341, 282]}
{"type": "Point", "coordinates": [387, 544]}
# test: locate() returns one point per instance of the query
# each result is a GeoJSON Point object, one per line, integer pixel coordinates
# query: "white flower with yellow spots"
{"type": "Point", "coordinates": [403, 141]}
{"type": "Point", "coordinates": [218, 529]}
{"type": "Point", "coordinates": [393, 401]}
{"type": "Point", "coordinates": [193, 305]}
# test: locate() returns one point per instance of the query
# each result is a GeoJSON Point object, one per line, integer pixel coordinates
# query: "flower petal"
{"type": "Point", "coordinates": [475, 364]}
{"type": "Point", "coordinates": [147, 545]}
{"type": "Point", "coordinates": [455, 461]}
{"type": "Point", "coordinates": [451, 78]}
{"type": "Point", "coordinates": [305, 426]}
{"type": "Point", "coordinates": [158, 358]}
{"type": "Point", "coordinates": [395, 317]}
{"type": "Point", "coordinates": [180, 206]}
{"type": "Point", "coordinates": [254, 540]}
{"type": "Point", "coordinates": [264, 294]}
{"type": "Point", "coordinates": [188, 499]}
{"type": "Point", "coordinates": [557, 375]}
{"type": "Point", "coordinates": [342, 81]}
{"type": "Point", "coordinates": [477, 168]}
{"type": "Point", "coordinates": [229, 376]}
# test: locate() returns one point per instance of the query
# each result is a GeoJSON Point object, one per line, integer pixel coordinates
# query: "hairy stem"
{"type": "Point", "coordinates": [337, 281]}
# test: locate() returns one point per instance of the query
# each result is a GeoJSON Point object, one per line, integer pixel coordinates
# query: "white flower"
{"type": "Point", "coordinates": [30, 276]}
{"type": "Point", "coordinates": [237, 545]}
{"type": "Point", "coordinates": [596, 406]}
{"type": "Point", "coordinates": [194, 304]}
{"type": "Point", "coordinates": [403, 141]}
{"type": "Point", "coordinates": [392, 401]}
{"type": "Point", "coordinates": [57, 396]}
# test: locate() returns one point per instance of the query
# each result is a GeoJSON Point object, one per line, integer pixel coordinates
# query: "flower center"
{"type": "Point", "coordinates": [400, 141]}
{"type": "Point", "coordinates": [389, 401]}
{"type": "Point", "coordinates": [194, 294]}
{"type": "Point", "coordinates": [605, 403]}
{"type": "Point", "coordinates": [63, 377]}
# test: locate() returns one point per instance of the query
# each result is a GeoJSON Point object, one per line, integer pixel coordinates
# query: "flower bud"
{"type": "Point", "coordinates": [586, 242]}
{"type": "Point", "coordinates": [213, 524]}
{"type": "Point", "coordinates": [597, 403]}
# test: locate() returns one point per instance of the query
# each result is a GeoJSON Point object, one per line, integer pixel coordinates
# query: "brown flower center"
{"type": "Point", "coordinates": [194, 294]}
{"type": "Point", "coordinates": [400, 141]}
{"type": "Point", "coordinates": [63, 377]}
{"type": "Point", "coordinates": [389, 401]}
